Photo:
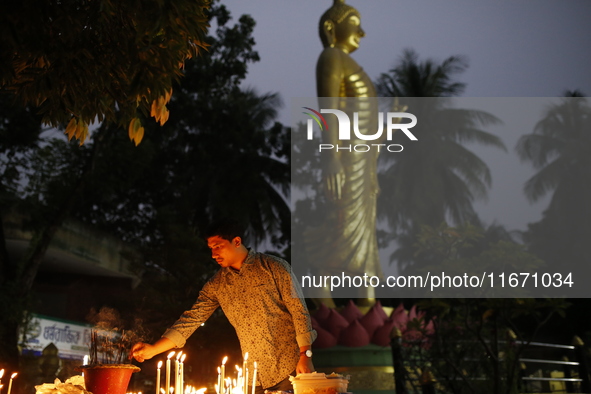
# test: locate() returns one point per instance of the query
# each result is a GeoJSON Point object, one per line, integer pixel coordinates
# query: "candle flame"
{"type": "Point", "coordinates": [219, 370]}
{"type": "Point", "coordinates": [1, 373]}
{"type": "Point", "coordinates": [170, 355]}
{"type": "Point", "coordinates": [245, 356]}
{"type": "Point", "coordinates": [201, 390]}
{"type": "Point", "coordinates": [255, 364]}
{"type": "Point", "coordinates": [162, 391]}
{"type": "Point", "coordinates": [159, 364]}
{"type": "Point", "coordinates": [13, 375]}
{"type": "Point", "coordinates": [178, 356]}
{"type": "Point", "coordinates": [183, 358]}
{"type": "Point", "coordinates": [224, 360]}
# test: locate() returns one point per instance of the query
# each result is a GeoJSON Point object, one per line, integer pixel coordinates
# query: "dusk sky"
{"type": "Point", "coordinates": [515, 48]}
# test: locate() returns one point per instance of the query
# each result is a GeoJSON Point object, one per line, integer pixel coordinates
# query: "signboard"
{"type": "Point", "coordinates": [71, 338]}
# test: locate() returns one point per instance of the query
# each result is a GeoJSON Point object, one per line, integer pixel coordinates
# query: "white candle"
{"type": "Point", "coordinates": [254, 377]}
{"type": "Point", "coordinates": [223, 373]}
{"type": "Point", "coordinates": [244, 378]}
{"type": "Point", "coordinates": [219, 385]}
{"type": "Point", "coordinates": [238, 380]}
{"type": "Point", "coordinates": [167, 391]}
{"type": "Point", "coordinates": [158, 377]}
{"type": "Point", "coordinates": [177, 388]}
{"type": "Point", "coordinates": [183, 373]}
{"type": "Point", "coordinates": [10, 383]}
{"type": "Point", "coordinates": [246, 381]}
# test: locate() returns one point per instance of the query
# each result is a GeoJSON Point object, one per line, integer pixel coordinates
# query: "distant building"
{"type": "Point", "coordinates": [82, 269]}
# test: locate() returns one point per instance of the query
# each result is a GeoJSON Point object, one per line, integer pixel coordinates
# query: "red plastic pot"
{"type": "Point", "coordinates": [107, 378]}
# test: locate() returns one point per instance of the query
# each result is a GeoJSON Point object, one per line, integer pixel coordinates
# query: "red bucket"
{"type": "Point", "coordinates": [107, 378]}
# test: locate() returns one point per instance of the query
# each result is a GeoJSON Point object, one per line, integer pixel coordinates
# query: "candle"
{"type": "Point", "coordinates": [167, 391]}
{"type": "Point", "coordinates": [223, 373]}
{"type": "Point", "coordinates": [10, 383]}
{"type": "Point", "coordinates": [246, 381]}
{"type": "Point", "coordinates": [182, 375]}
{"type": "Point", "coordinates": [219, 385]}
{"type": "Point", "coordinates": [244, 378]}
{"type": "Point", "coordinates": [238, 380]}
{"type": "Point", "coordinates": [1, 374]}
{"type": "Point", "coordinates": [158, 377]}
{"type": "Point", "coordinates": [254, 377]}
{"type": "Point", "coordinates": [177, 388]}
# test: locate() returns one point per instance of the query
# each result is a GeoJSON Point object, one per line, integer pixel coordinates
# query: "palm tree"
{"type": "Point", "coordinates": [427, 79]}
{"type": "Point", "coordinates": [560, 149]}
{"type": "Point", "coordinates": [437, 176]}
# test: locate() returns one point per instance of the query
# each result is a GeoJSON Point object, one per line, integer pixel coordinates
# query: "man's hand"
{"type": "Point", "coordinates": [142, 351]}
{"type": "Point", "coordinates": [304, 365]}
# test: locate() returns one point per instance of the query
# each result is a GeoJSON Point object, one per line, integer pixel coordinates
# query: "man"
{"type": "Point", "coordinates": [261, 300]}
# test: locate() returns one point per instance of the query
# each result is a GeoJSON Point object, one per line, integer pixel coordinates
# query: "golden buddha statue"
{"type": "Point", "coordinates": [346, 242]}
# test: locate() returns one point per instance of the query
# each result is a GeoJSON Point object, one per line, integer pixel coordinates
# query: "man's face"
{"type": "Point", "coordinates": [348, 33]}
{"type": "Point", "coordinates": [225, 252]}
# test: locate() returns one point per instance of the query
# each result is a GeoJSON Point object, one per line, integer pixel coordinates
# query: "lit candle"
{"type": "Point", "coordinates": [223, 373]}
{"type": "Point", "coordinates": [167, 391]}
{"type": "Point", "coordinates": [182, 376]}
{"type": "Point", "coordinates": [10, 383]}
{"type": "Point", "coordinates": [254, 377]}
{"type": "Point", "coordinates": [177, 388]}
{"type": "Point", "coordinates": [1, 374]}
{"type": "Point", "coordinates": [246, 381]}
{"type": "Point", "coordinates": [158, 377]}
{"type": "Point", "coordinates": [244, 376]}
{"type": "Point", "coordinates": [219, 385]}
{"type": "Point", "coordinates": [238, 380]}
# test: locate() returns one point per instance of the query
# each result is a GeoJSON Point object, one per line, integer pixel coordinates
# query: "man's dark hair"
{"type": "Point", "coordinates": [227, 229]}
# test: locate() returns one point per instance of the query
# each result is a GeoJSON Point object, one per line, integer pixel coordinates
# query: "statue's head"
{"type": "Point", "coordinates": [341, 24]}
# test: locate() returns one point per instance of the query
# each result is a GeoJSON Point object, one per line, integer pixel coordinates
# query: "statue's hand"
{"type": "Point", "coordinates": [375, 185]}
{"type": "Point", "coordinates": [334, 179]}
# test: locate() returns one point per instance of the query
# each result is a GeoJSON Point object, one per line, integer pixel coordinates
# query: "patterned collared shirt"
{"type": "Point", "coordinates": [264, 303]}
